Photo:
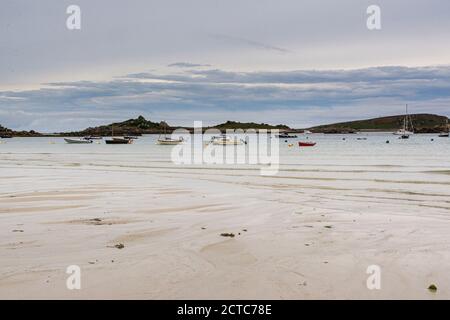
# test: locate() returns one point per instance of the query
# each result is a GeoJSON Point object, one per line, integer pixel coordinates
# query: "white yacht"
{"type": "Point", "coordinates": [407, 128]}
{"type": "Point", "coordinates": [445, 134]}
{"type": "Point", "coordinates": [167, 140]}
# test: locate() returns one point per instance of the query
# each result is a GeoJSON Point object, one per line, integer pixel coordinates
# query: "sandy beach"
{"type": "Point", "coordinates": [309, 232]}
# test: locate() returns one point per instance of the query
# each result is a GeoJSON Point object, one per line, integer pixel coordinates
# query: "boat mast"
{"type": "Point", "coordinates": [405, 120]}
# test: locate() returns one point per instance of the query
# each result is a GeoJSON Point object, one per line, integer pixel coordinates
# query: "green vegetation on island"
{"type": "Point", "coordinates": [141, 126]}
{"type": "Point", "coordinates": [8, 133]}
{"type": "Point", "coordinates": [248, 125]}
{"type": "Point", "coordinates": [423, 123]}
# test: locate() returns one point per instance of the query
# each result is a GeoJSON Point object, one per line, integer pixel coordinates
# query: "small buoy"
{"type": "Point", "coordinates": [290, 144]}
{"type": "Point", "coordinates": [432, 139]}
{"type": "Point", "coordinates": [343, 138]}
{"type": "Point", "coordinates": [387, 141]}
{"type": "Point", "coordinates": [285, 140]}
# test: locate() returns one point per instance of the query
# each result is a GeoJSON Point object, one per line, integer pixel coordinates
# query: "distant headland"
{"type": "Point", "coordinates": [423, 123]}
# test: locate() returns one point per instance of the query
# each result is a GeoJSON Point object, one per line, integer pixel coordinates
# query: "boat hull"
{"type": "Point", "coordinates": [403, 133]}
{"type": "Point", "coordinates": [77, 141]}
{"type": "Point", "coordinates": [282, 136]}
{"type": "Point", "coordinates": [168, 142]}
{"type": "Point", "coordinates": [306, 144]}
{"type": "Point", "coordinates": [119, 141]}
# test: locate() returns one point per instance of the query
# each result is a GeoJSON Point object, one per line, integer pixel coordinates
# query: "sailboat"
{"type": "Point", "coordinates": [405, 132]}
{"type": "Point", "coordinates": [167, 140]}
{"type": "Point", "coordinates": [444, 134]}
{"type": "Point", "coordinates": [118, 140]}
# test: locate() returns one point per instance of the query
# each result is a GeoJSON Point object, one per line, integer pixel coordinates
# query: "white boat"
{"type": "Point", "coordinates": [407, 128]}
{"type": "Point", "coordinates": [167, 140]}
{"type": "Point", "coordinates": [77, 141]}
{"type": "Point", "coordinates": [307, 132]}
{"type": "Point", "coordinates": [224, 140]}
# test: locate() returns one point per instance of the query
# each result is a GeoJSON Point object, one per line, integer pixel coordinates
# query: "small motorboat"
{"type": "Point", "coordinates": [306, 144]}
{"type": "Point", "coordinates": [115, 140]}
{"type": "Point", "coordinates": [93, 138]}
{"type": "Point", "coordinates": [77, 141]}
{"type": "Point", "coordinates": [226, 140]}
{"type": "Point", "coordinates": [5, 136]}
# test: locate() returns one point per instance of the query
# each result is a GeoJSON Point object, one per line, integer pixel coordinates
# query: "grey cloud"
{"type": "Point", "coordinates": [374, 74]}
{"type": "Point", "coordinates": [313, 96]}
{"type": "Point", "coordinates": [187, 65]}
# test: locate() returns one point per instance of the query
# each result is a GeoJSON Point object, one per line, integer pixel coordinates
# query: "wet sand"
{"type": "Point", "coordinates": [306, 233]}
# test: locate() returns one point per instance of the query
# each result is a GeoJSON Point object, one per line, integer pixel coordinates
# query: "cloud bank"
{"type": "Point", "coordinates": [299, 98]}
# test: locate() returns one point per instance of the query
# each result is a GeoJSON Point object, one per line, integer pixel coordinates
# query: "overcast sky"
{"type": "Point", "coordinates": [295, 62]}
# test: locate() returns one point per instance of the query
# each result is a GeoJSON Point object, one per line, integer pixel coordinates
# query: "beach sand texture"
{"type": "Point", "coordinates": [309, 232]}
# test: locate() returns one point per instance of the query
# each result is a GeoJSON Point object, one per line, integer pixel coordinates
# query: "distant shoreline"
{"type": "Point", "coordinates": [424, 123]}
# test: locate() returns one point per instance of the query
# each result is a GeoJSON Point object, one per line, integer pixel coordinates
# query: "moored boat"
{"type": "Point", "coordinates": [407, 128]}
{"type": "Point", "coordinates": [167, 140]}
{"type": "Point", "coordinates": [116, 140]}
{"type": "Point", "coordinates": [224, 140]}
{"type": "Point", "coordinates": [444, 134]}
{"type": "Point", "coordinates": [77, 140]}
{"type": "Point", "coordinates": [286, 136]}
{"type": "Point", "coordinates": [306, 144]}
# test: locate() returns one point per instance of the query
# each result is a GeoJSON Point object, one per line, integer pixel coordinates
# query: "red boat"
{"type": "Point", "coordinates": [306, 144]}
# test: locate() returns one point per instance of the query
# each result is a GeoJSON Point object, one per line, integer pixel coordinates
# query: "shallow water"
{"type": "Point", "coordinates": [424, 151]}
